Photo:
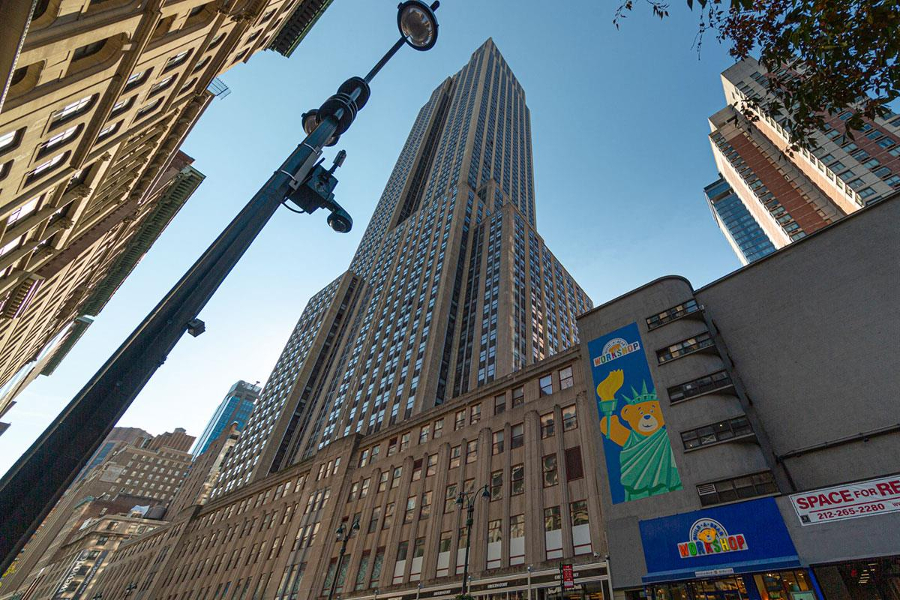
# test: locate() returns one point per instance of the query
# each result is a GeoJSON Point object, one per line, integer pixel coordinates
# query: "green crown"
{"type": "Point", "coordinates": [643, 396]}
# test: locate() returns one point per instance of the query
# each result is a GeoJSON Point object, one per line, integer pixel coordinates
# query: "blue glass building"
{"type": "Point", "coordinates": [746, 237]}
{"type": "Point", "coordinates": [235, 408]}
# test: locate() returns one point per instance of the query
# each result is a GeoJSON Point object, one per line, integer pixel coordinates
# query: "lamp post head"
{"type": "Point", "coordinates": [486, 492]}
{"type": "Point", "coordinates": [340, 531]}
{"type": "Point", "coordinates": [355, 526]}
{"type": "Point", "coordinates": [417, 24]}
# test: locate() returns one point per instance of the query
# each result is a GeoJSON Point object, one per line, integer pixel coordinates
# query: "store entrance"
{"type": "Point", "coordinates": [725, 588]}
{"type": "Point", "coordinates": [873, 579]}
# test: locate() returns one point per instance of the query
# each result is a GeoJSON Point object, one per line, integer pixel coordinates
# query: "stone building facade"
{"type": "Point", "coordinates": [98, 95]}
{"type": "Point", "coordinates": [523, 436]}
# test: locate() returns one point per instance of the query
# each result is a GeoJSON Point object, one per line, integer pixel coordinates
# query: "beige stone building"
{"type": "Point", "coordinates": [97, 97]}
{"type": "Point", "coordinates": [522, 436]}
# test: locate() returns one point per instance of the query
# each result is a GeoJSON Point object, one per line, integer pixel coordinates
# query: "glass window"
{"type": "Point", "coordinates": [517, 436]}
{"type": "Point", "coordinates": [552, 519]}
{"type": "Point", "coordinates": [497, 442]}
{"type": "Point", "coordinates": [566, 379]}
{"type": "Point", "coordinates": [438, 429]}
{"type": "Point", "coordinates": [569, 418]}
{"type": "Point", "coordinates": [471, 451]}
{"type": "Point", "coordinates": [499, 404]}
{"type": "Point", "coordinates": [517, 480]}
{"type": "Point", "coordinates": [579, 512]}
{"type": "Point", "coordinates": [517, 526]}
{"type": "Point", "coordinates": [454, 456]}
{"type": "Point", "coordinates": [518, 396]}
{"type": "Point", "coordinates": [550, 468]}
{"type": "Point", "coordinates": [496, 485]}
{"type": "Point", "coordinates": [574, 467]}
{"type": "Point", "coordinates": [495, 531]}
{"type": "Point", "coordinates": [546, 384]}
{"type": "Point", "coordinates": [547, 427]}
{"type": "Point", "coordinates": [474, 413]}
{"type": "Point", "coordinates": [460, 420]}
{"type": "Point", "coordinates": [431, 466]}
{"type": "Point", "coordinates": [450, 498]}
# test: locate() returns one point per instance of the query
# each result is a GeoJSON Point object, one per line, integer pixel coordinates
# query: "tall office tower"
{"type": "Point", "coordinates": [746, 237]}
{"type": "Point", "coordinates": [450, 288]}
{"type": "Point", "coordinates": [235, 408]}
{"type": "Point", "coordinates": [792, 194]}
{"type": "Point", "coordinates": [96, 97]}
{"type": "Point", "coordinates": [119, 436]}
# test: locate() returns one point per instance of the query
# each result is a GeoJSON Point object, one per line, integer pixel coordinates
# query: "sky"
{"type": "Point", "coordinates": [621, 157]}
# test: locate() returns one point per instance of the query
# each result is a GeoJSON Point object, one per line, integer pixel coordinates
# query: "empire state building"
{"type": "Point", "coordinates": [451, 287]}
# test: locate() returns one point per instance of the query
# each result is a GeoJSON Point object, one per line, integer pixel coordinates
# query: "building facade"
{"type": "Point", "coordinates": [789, 193]}
{"type": "Point", "coordinates": [746, 453]}
{"type": "Point", "coordinates": [147, 473]}
{"type": "Point", "coordinates": [96, 99]}
{"type": "Point", "coordinates": [234, 408]}
{"type": "Point", "coordinates": [451, 287]}
{"type": "Point", "coordinates": [133, 436]}
{"type": "Point", "coordinates": [203, 473]}
{"type": "Point", "coordinates": [522, 436]}
{"type": "Point", "coordinates": [743, 233]}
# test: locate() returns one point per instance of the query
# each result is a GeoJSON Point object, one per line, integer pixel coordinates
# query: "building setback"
{"type": "Point", "coordinates": [234, 408]}
{"type": "Point", "coordinates": [745, 447]}
{"type": "Point", "coordinates": [95, 100]}
{"type": "Point", "coordinates": [792, 194]}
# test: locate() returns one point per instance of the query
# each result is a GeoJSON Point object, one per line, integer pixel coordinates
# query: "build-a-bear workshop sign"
{"type": "Point", "coordinates": [639, 458]}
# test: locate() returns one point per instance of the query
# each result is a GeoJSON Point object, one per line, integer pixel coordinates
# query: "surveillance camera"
{"type": "Point", "coordinates": [340, 220]}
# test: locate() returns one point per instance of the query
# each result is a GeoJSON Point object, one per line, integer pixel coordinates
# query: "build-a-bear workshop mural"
{"type": "Point", "coordinates": [639, 459]}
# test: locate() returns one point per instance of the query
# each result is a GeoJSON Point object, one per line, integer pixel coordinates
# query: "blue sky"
{"type": "Point", "coordinates": [620, 159]}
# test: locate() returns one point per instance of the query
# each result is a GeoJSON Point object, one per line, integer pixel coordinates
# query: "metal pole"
{"type": "Point", "coordinates": [38, 479]}
{"type": "Point", "coordinates": [387, 56]}
{"type": "Point", "coordinates": [337, 569]}
{"type": "Point", "coordinates": [469, 510]}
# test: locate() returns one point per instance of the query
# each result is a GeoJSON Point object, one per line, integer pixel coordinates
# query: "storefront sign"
{"type": "Point", "coordinates": [863, 499]}
{"type": "Point", "coordinates": [568, 577]}
{"type": "Point", "coordinates": [639, 459]}
{"type": "Point", "coordinates": [723, 540]}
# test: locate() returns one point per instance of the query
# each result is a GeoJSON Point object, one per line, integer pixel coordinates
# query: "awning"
{"type": "Point", "coordinates": [750, 566]}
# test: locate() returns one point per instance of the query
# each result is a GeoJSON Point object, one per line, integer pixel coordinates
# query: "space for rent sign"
{"type": "Point", "coordinates": [861, 499]}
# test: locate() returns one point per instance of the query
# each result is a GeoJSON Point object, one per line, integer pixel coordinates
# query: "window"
{"type": "Point", "coordinates": [45, 167]}
{"type": "Point", "coordinates": [460, 420]}
{"type": "Point", "coordinates": [424, 433]}
{"type": "Point", "coordinates": [88, 50]}
{"type": "Point", "coordinates": [200, 65]}
{"type": "Point", "coordinates": [495, 531]}
{"type": "Point", "coordinates": [497, 446]}
{"type": "Point", "coordinates": [146, 110]}
{"type": "Point", "coordinates": [517, 480]}
{"type": "Point", "coordinates": [471, 451]}
{"type": "Point", "coordinates": [176, 60]}
{"type": "Point", "coordinates": [417, 470]}
{"type": "Point", "coordinates": [364, 490]}
{"type": "Point", "coordinates": [216, 41]}
{"type": "Point", "coordinates": [121, 106]}
{"type": "Point", "coordinates": [685, 347]}
{"type": "Point", "coordinates": [579, 512]}
{"type": "Point", "coordinates": [569, 418]}
{"type": "Point", "coordinates": [395, 480]}
{"type": "Point", "coordinates": [454, 457]}
{"type": "Point", "coordinates": [161, 85]}
{"type": "Point", "coordinates": [137, 79]}
{"type": "Point", "coordinates": [22, 212]}
{"type": "Point", "coordinates": [382, 481]}
{"type": "Point", "coordinates": [426, 505]}
{"type": "Point", "coordinates": [546, 384]}
{"type": "Point", "coordinates": [438, 429]}
{"type": "Point", "coordinates": [496, 485]}
{"type": "Point", "coordinates": [518, 396]}
{"type": "Point", "coordinates": [697, 387]}
{"type": "Point", "coordinates": [551, 473]}
{"type": "Point", "coordinates": [431, 465]}
{"type": "Point", "coordinates": [474, 413]}
{"type": "Point", "coordinates": [404, 441]}
{"type": "Point", "coordinates": [517, 436]}
{"type": "Point", "coordinates": [392, 447]}
{"type": "Point", "coordinates": [566, 379]}
{"type": "Point", "coordinates": [376, 567]}
{"type": "Point", "coordinates": [729, 490]}
{"type": "Point", "coordinates": [410, 509]}
{"type": "Point", "coordinates": [672, 314]}
{"type": "Point", "coordinates": [547, 427]}
{"type": "Point", "coordinates": [574, 468]}
{"type": "Point", "coordinates": [10, 140]}
{"type": "Point", "coordinates": [444, 543]}
{"type": "Point", "coordinates": [71, 111]}
{"type": "Point", "coordinates": [354, 490]}
{"type": "Point", "coordinates": [717, 432]}
{"type": "Point", "coordinates": [450, 498]}
{"type": "Point", "coordinates": [373, 522]}
{"type": "Point", "coordinates": [499, 404]}
{"type": "Point", "coordinates": [402, 550]}
{"type": "Point", "coordinates": [886, 142]}
{"type": "Point", "coordinates": [109, 130]}
{"type": "Point", "coordinates": [552, 519]}
{"type": "Point", "coordinates": [517, 526]}
{"type": "Point", "coordinates": [388, 515]}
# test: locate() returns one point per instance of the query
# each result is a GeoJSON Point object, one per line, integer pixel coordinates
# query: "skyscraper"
{"type": "Point", "coordinates": [451, 286]}
{"type": "Point", "coordinates": [746, 237]}
{"type": "Point", "coordinates": [791, 194]}
{"type": "Point", "coordinates": [234, 408]}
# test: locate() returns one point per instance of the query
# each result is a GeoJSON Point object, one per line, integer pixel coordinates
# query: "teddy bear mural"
{"type": "Point", "coordinates": [646, 463]}
{"type": "Point", "coordinates": [639, 458]}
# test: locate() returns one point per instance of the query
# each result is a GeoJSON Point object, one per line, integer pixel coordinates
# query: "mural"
{"type": "Point", "coordinates": [639, 459]}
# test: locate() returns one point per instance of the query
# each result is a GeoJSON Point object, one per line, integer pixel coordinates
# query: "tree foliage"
{"type": "Point", "coordinates": [822, 56]}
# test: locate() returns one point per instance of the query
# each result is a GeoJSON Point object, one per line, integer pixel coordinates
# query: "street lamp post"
{"type": "Point", "coordinates": [343, 537]}
{"type": "Point", "coordinates": [468, 500]}
{"type": "Point", "coordinates": [38, 479]}
{"type": "Point", "coordinates": [128, 589]}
